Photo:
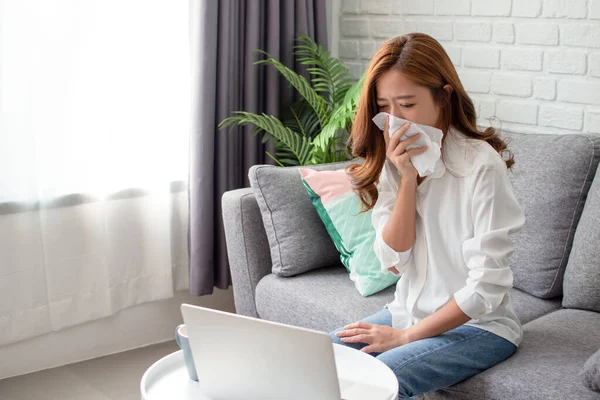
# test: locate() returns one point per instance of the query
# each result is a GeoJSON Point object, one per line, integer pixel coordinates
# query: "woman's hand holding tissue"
{"type": "Point", "coordinates": [396, 150]}
{"type": "Point", "coordinates": [431, 138]}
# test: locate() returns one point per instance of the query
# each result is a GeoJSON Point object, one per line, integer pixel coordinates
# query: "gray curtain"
{"type": "Point", "coordinates": [224, 37]}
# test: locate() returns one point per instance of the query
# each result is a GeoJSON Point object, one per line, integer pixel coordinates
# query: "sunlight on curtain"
{"type": "Point", "coordinates": [94, 96]}
{"type": "Point", "coordinates": [94, 100]}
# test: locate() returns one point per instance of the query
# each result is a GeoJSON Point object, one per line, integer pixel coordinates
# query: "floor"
{"type": "Point", "coordinates": [114, 377]}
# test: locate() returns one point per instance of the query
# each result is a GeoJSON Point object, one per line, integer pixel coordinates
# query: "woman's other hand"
{"type": "Point", "coordinates": [379, 338]}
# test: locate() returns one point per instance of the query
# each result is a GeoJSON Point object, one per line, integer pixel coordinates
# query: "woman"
{"type": "Point", "coordinates": [446, 235]}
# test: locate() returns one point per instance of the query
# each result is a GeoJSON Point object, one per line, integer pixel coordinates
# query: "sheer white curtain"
{"type": "Point", "coordinates": [94, 127]}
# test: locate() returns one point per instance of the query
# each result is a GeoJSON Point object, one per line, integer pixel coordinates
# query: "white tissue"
{"type": "Point", "coordinates": [430, 137]}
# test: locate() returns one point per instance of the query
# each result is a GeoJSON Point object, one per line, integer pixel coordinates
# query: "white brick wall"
{"type": "Point", "coordinates": [522, 112]}
{"type": "Point", "coordinates": [504, 33]}
{"type": "Point", "coordinates": [565, 8]}
{"type": "Point", "coordinates": [571, 62]}
{"type": "Point", "coordinates": [454, 7]}
{"type": "Point", "coordinates": [512, 85]}
{"type": "Point", "coordinates": [594, 63]}
{"type": "Point", "coordinates": [472, 31]}
{"type": "Point", "coordinates": [481, 57]}
{"type": "Point", "coordinates": [561, 116]}
{"type": "Point", "coordinates": [491, 8]}
{"type": "Point", "coordinates": [533, 64]}
{"type": "Point", "coordinates": [531, 8]}
{"type": "Point", "coordinates": [595, 10]}
{"type": "Point", "coordinates": [522, 59]}
{"type": "Point", "coordinates": [537, 33]}
{"type": "Point", "coordinates": [544, 88]}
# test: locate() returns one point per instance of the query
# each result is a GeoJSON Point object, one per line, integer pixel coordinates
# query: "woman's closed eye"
{"type": "Point", "coordinates": [385, 106]}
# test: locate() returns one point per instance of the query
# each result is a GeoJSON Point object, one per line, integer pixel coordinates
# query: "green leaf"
{"type": "Point", "coordinates": [331, 75]}
{"type": "Point", "coordinates": [274, 159]}
{"type": "Point", "coordinates": [297, 144]}
{"type": "Point", "coordinates": [319, 105]}
{"type": "Point", "coordinates": [341, 116]}
{"type": "Point", "coordinates": [314, 129]}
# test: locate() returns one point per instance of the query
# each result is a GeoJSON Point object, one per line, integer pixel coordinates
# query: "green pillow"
{"type": "Point", "coordinates": [352, 232]}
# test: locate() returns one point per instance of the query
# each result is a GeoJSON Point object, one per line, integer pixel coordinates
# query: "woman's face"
{"type": "Point", "coordinates": [401, 97]}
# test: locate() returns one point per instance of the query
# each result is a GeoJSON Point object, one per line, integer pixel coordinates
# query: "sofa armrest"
{"type": "Point", "coordinates": [247, 247]}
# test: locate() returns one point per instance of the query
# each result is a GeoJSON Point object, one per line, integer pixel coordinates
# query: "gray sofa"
{"type": "Point", "coordinates": [274, 227]}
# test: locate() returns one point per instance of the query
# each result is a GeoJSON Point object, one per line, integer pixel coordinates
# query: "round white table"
{"type": "Point", "coordinates": [167, 378]}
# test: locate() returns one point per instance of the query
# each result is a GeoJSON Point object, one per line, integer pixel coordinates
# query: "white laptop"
{"type": "Point", "coordinates": [239, 357]}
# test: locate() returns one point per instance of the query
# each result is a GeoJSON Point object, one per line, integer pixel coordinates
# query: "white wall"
{"type": "Point", "coordinates": [535, 64]}
{"type": "Point", "coordinates": [131, 328]}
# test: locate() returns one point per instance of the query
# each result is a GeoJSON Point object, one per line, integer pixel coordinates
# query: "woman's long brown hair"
{"type": "Point", "coordinates": [426, 63]}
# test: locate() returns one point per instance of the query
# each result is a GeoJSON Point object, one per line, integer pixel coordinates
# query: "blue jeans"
{"type": "Point", "coordinates": [441, 361]}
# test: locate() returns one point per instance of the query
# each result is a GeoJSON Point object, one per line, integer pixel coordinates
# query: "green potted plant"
{"type": "Point", "coordinates": [315, 128]}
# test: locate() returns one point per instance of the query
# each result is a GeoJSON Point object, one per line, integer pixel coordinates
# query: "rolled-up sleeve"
{"type": "Point", "coordinates": [496, 215]}
{"type": "Point", "coordinates": [382, 211]}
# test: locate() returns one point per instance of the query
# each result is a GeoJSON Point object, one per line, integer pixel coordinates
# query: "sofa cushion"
{"type": "Point", "coordinates": [582, 278]}
{"type": "Point", "coordinates": [590, 373]}
{"type": "Point", "coordinates": [546, 365]}
{"type": "Point", "coordinates": [529, 307]}
{"type": "Point", "coordinates": [297, 237]}
{"type": "Point", "coordinates": [325, 299]}
{"type": "Point", "coordinates": [551, 177]}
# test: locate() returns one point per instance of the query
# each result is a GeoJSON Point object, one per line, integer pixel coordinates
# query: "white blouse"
{"type": "Point", "coordinates": [466, 212]}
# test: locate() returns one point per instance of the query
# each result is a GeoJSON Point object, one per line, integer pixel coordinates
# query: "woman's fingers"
{"type": "Point", "coordinates": [403, 144]}
{"type": "Point", "coordinates": [359, 324]}
{"type": "Point", "coordinates": [404, 158]}
{"type": "Point", "coordinates": [401, 150]}
{"type": "Point", "coordinates": [356, 339]}
{"type": "Point", "coordinates": [416, 151]}
{"type": "Point", "coordinates": [386, 129]}
{"type": "Point", "coordinates": [352, 332]}
{"type": "Point", "coordinates": [400, 159]}
{"type": "Point", "coordinates": [395, 139]}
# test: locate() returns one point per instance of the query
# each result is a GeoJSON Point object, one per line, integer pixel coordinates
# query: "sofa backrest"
{"type": "Point", "coordinates": [551, 178]}
{"type": "Point", "coordinates": [582, 277]}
